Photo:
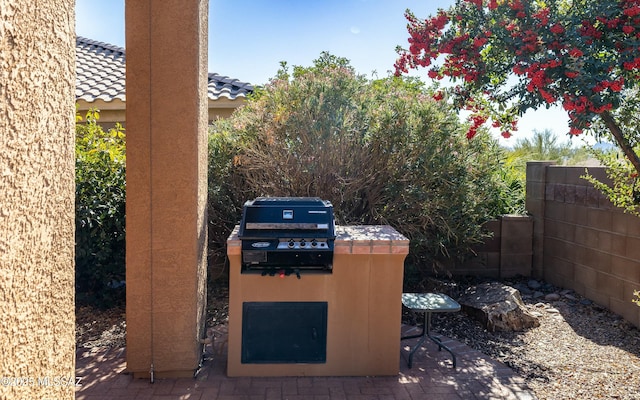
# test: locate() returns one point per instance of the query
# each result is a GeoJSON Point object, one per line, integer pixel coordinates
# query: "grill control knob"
{"type": "Point", "coordinates": [314, 243]}
{"type": "Point", "coordinates": [303, 243]}
{"type": "Point", "coordinates": [291, 243]}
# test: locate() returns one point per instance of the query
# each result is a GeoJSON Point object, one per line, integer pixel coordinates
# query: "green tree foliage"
{"type": "Point", "coordinates": [545, 146]}
{"type": "Point", "coordinates": [513, 177]}
{"type": "Point", "coordinates": [542, 146]}
{"type": "Point", "coordinates": [508, 56]}
{"type": "Point", "coordinates": [623, 188]}
{"type": "Point", "coordinates": [100, 213]}
{"type": "Point", "coordinates": [383, 152]}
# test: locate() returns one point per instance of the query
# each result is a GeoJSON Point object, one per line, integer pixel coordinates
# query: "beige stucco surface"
{"type": "Point", "coordinates": [166, 185]}
{"type": "Point", "coordinates": [37, 340]}
{"type": "Point", "coordinates": [363, 294]}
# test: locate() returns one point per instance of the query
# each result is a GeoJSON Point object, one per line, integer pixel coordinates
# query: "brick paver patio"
{"type": "Point", "coordinates": [476, 377]}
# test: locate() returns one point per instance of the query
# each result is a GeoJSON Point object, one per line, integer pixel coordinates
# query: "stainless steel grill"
{"type": "Point", "coordinates": [287, 235]}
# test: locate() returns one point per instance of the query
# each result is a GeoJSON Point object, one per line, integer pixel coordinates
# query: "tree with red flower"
{"type": "Point", "coordinates": [508, 56]}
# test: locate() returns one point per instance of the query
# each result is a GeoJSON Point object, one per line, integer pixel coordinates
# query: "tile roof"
{"type": "Point", "coordinates": [100, 75]}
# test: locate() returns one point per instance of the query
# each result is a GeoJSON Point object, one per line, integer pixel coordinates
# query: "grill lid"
{"type": "Point", "coordinates": [266, 217]}
{"type": "Point", "coordinates": [287, 234]}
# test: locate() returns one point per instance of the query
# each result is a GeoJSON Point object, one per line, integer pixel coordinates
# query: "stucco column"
{"type": "Point", "coordinates": [166, 42]}
{"type": "Point", "coordinates": [37, 81]}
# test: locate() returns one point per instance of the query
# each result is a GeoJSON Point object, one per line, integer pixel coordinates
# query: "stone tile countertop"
{"type": "Point", "coordinates": [352, 239]}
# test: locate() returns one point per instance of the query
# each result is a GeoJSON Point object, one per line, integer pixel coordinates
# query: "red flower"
{"type": "Point", "coordinates": [588, 29]}
{"type": "Point", "coordinates": [602, 108]}
{"type": "Point", "coordinates": [568, 105]}
{"type": "Point", "coordinates": [575, 131]}
{"type": "Point", "coordinates": [612, 23]}
{"type": "Point", "coordinates": [571, 74]}
{"type": "Point", "coordinates": [437, 96]}
{"type": "Point", "coordinates": [432, 74]}
{"type": "Point", "coordinates": [632, 11]}
{"type": "Point", "coordinates": [575, 52]}
{"type": "Point", "coordinates": [600, 86]}
{"type": "Point", "coordinates": [516, 5]}
{"type": "Point", "coordinates": [479, 42]}
{"type": "Point", "coordinates": [630, 65]}
{"type": "Point", "coordinates": [557, 29]}
{"type": "Point", "coordinates": [506, 134]}
{"type": "Point", "coordinates": [542, 16]}
{"type": "Point", "coordinates": [628, 29]}
{"type": "Point", "coordinates": [548, 97]}
{"type": "Point", "coordinates": [616, 85]}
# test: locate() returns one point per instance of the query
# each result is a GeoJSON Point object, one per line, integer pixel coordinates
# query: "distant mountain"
{"type": "Point", "coordinates": [604, 146]}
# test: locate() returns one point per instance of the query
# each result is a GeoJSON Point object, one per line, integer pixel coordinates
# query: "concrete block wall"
{"type": "Point", "coordinates": [506, 254]}
{"type": "Point", "coordinates": [487, 260]}
{"type": "Point", "coordinates": [535, 205]}
{"type": "Point", "coordinates": [581, 241]}
{"type": "Point", "coordinates": [516, 246]}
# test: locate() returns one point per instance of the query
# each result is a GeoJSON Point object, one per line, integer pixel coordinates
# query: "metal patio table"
{"type": "Point", "coordinates": [428, 303]}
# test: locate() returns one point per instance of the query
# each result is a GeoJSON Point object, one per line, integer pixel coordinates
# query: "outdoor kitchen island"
{"type": "Point", "coordinates": [353, 311]}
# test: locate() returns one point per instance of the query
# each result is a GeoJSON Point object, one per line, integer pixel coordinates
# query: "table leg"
{"type": "Point", "coordinates": [426, 333]}
{"type": "Point", "coordinates": [437, 340]}
{"type": "Point", "coordinates": [422, 335]}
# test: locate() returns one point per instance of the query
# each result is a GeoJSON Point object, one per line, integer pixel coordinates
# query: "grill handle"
{"type": "Point", "coordinates": [285, 226]}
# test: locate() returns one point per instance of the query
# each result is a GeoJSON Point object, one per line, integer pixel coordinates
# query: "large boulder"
{"type": "Point", "coordinates": [499, 307]}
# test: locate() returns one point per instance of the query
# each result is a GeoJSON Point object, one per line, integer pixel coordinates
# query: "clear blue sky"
{"type": "Point", "coordinates": [249, 38]}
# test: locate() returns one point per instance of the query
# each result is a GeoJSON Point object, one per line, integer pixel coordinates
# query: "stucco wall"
{"type": "Point", "coordinates": [37, 340]}
{"type": "Point", "coordinates": [166, 185]}
{"type": "Point", "coordinates": [581, 241]}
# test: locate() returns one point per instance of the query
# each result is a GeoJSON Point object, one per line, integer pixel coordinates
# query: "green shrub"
{"type": "Point", "coordinates": [622, 187]}
{"type": "Point", "coordinates": [383, 152]}
{"type": "Point", "coordinates": [100, 213]}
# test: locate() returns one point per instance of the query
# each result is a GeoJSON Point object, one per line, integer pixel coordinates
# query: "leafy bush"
{"type": "Point", "coordinates": [542, 146]}
{"type": "Point", "coordinates": [383, 152]}
{"type": "Point", "coordinates": [514, 182]}
{"type": "Point", "coordinates": [622, 187]}
{"type": "Point", "coordinates": [100, 213]}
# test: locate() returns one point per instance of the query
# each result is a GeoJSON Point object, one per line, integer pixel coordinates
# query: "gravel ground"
{"type": "Point", "coordinates": [579, 351]}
